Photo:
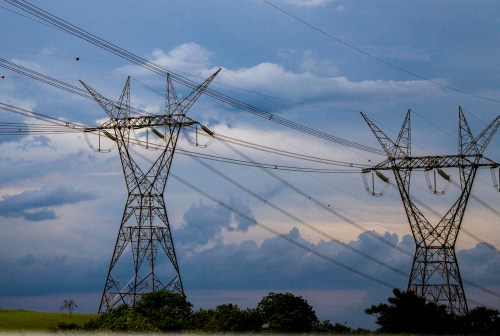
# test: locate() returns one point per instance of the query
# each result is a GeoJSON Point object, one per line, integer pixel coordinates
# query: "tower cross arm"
{"type": "Point", "coordinates": [190, 99]}
{"type": "Point", "coordinates": [429, 162]}
{"type": "Point", "coordinates": [470, 145]}
{"type": "Point", "coordinates": [108, 105]}
{"type": "Point", "coordinates": [148, 121]}
{"type": "Point", "coordinates": [394, 149]}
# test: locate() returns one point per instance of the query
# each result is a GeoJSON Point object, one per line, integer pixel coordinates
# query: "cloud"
{"type": "Point", "coordinates": [311, 63]}
{"type": "Point", "coordinates": [36, 205]}
{"type": "Point", "coordinates": [480, 264]}
{"type": "Point", "coordinates": [46, 274]}
{"type": "Point", "coordinates": [308, 86]}
{"type": "Point", "coordinates": [204, 224]}
{"type": "Point", "coordinates": [278, 264]}
{"type": "Point", "coordinates": [244, 272]}
{"type": "Point", "coordinates": [317, 81]}
{"type": "Point", "coordinates": [190, 57]}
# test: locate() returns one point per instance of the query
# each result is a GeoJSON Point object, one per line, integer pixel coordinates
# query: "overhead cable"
{"type": "Point", "coordinates": [280, 235]}
{"type": "Point", "coordinates": [138, 60]}
{"type": "Point", "coordinates": [378, 59]}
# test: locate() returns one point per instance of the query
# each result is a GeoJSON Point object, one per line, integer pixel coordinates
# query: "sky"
{"type": "Point", "coordinates": [317, 63]}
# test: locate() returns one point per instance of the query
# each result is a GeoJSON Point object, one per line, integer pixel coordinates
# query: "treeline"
{"type": "Point", "coordinates": [411, 314]}
{"type": "Point", "coordinates": [164, 311]}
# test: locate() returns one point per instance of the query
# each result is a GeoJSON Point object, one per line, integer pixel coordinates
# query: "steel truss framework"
{"type": "Point", "coordinates": [435, 274]}
{"type": "Point", "coordinates": [144, 226]}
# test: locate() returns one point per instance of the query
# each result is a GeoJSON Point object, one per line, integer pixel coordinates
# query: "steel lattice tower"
{"type": "Point", "coordinates": [144, 228]}
{"type": "Point", "coordinates": [435, 275]}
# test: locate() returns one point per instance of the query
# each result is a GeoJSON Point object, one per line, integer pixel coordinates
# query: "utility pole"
{"type": "Point", "coordinates": [144, 228]}
{"type": "Point", "coordinates": [435, 275]}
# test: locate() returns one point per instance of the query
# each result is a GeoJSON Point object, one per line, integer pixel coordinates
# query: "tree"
{"type": "Point", "coordinates": [156, 311]}
{"type": "Point", "coordinates": [226, 318]}
{"type": "Point", "coordinates": [409, 313]}
{"type": "Point", "coordinates": [165, 310]}
{"type": "Point", "coordinates": [481, 321]}
{"type": "Point", "coordinates": [326, 327]}
{"type": "Point", "coordinates": [286, 313]}
{"type": "Point", "coordinates": [69, 305]}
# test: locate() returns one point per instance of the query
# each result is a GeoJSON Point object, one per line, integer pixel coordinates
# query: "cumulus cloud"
{"type": "Point", "coordinates": [275, 80]}
{"type": "Point", "coordinates": [189, 57]}
{"type": "Point", "coordinates": [311, 63]}
{"type": "Point", "coordinates": [481, 264]}
{"type": "Point", "coordinates": [318, 81]}
{"type": "Point", "coordinates": [204, 224]}
{"type": "Point", "coordinates": [274, 265]}
{"type": "Point", "coordinates": [37, 205]}
{"type": "Point", "coordinates": [278, 264]}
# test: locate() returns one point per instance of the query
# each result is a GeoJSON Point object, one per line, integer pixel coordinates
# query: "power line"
{"type": "Point", "coordinates": [274, 232]}
{"type": "Point", "coordinates": [59, 125]}
{"type": "Point", "coordinates": [321, 205]}
{"type": "Point", "coordinates": [271, 117]}
{"type": "Point", "coordinates": [378, 59]}
{"type": "Point", "coordinates": [297, 219]}
{"type": "Point", "coordinates": [282, 236]}
{"type": "Point", "coordinates": [56, 126]}
{"type": "Point", "coordinates": [138, 60]}
{"type": "Point", "coordinates": [344, 218]}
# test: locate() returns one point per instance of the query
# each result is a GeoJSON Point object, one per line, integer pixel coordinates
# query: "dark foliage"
{"type": "Point", "coordinates": [480, 321]}
{"type": "Point", "coordinates": [226, 318]}
{"type": "Point", "coordinates": [326, 327]}
{"type": "Point", "coordinates": [63, 326]}
{"type": "Point", "coordinates": [165, 310]}
{"type": "Point", "coordinates": [121, 319]}
{"type": "Point", "coordinates": [409, 313]}
{"type": "Point", "coordinates": [286, 313]}
{"type": "Point", "coordinates": [155, 311]}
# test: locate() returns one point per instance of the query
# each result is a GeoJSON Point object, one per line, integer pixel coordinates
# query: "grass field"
{"type": "Point", "coordinates": [25, 320]}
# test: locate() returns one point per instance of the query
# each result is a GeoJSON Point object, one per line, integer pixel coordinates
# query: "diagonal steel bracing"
{"type": "Point", "coordinates": [144, 235]}
{"type": "Point", "coordinates": [435, 274]}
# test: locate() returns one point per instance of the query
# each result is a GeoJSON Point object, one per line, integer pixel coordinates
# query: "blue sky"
{"type": "Point", "coordinates": [61, 203]}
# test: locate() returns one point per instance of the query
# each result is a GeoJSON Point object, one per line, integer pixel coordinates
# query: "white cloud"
{"type": "Point", "coordinates": [188, 57]}
{"type": "Point", "coordinates": [275, 80]}
{"type": "Point", "coordinates": [312, 64]}
{"type": "Point", "coordinates": [319, 80]}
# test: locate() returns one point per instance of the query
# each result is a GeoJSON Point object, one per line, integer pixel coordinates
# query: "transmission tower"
{"type": "Point", "coordinates": [144, 229]}
{"type": "Point", "coordinates": [435, 275]}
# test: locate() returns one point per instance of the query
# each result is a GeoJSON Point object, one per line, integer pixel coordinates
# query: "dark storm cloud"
{"type": "Point", "coordinates": [480, 264]}
{"type": "Point", "coordinates": [274, 265]}
{"type": "Point", "coordinates": [278, 264]}
{"type": "Point", "coordinates": [36, 205]}
{"type": "Point", "coordinates": [40, 275]}
{"type": "Point", "coordinates": [204, 224]}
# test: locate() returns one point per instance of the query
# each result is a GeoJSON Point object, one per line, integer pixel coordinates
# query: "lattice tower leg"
{"type": "Point", "coordinates": [146, 230]}
{"type": "Point", "coordinates": [435, 274]}
{"type": "Point", "coordinates": [144, 227]}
